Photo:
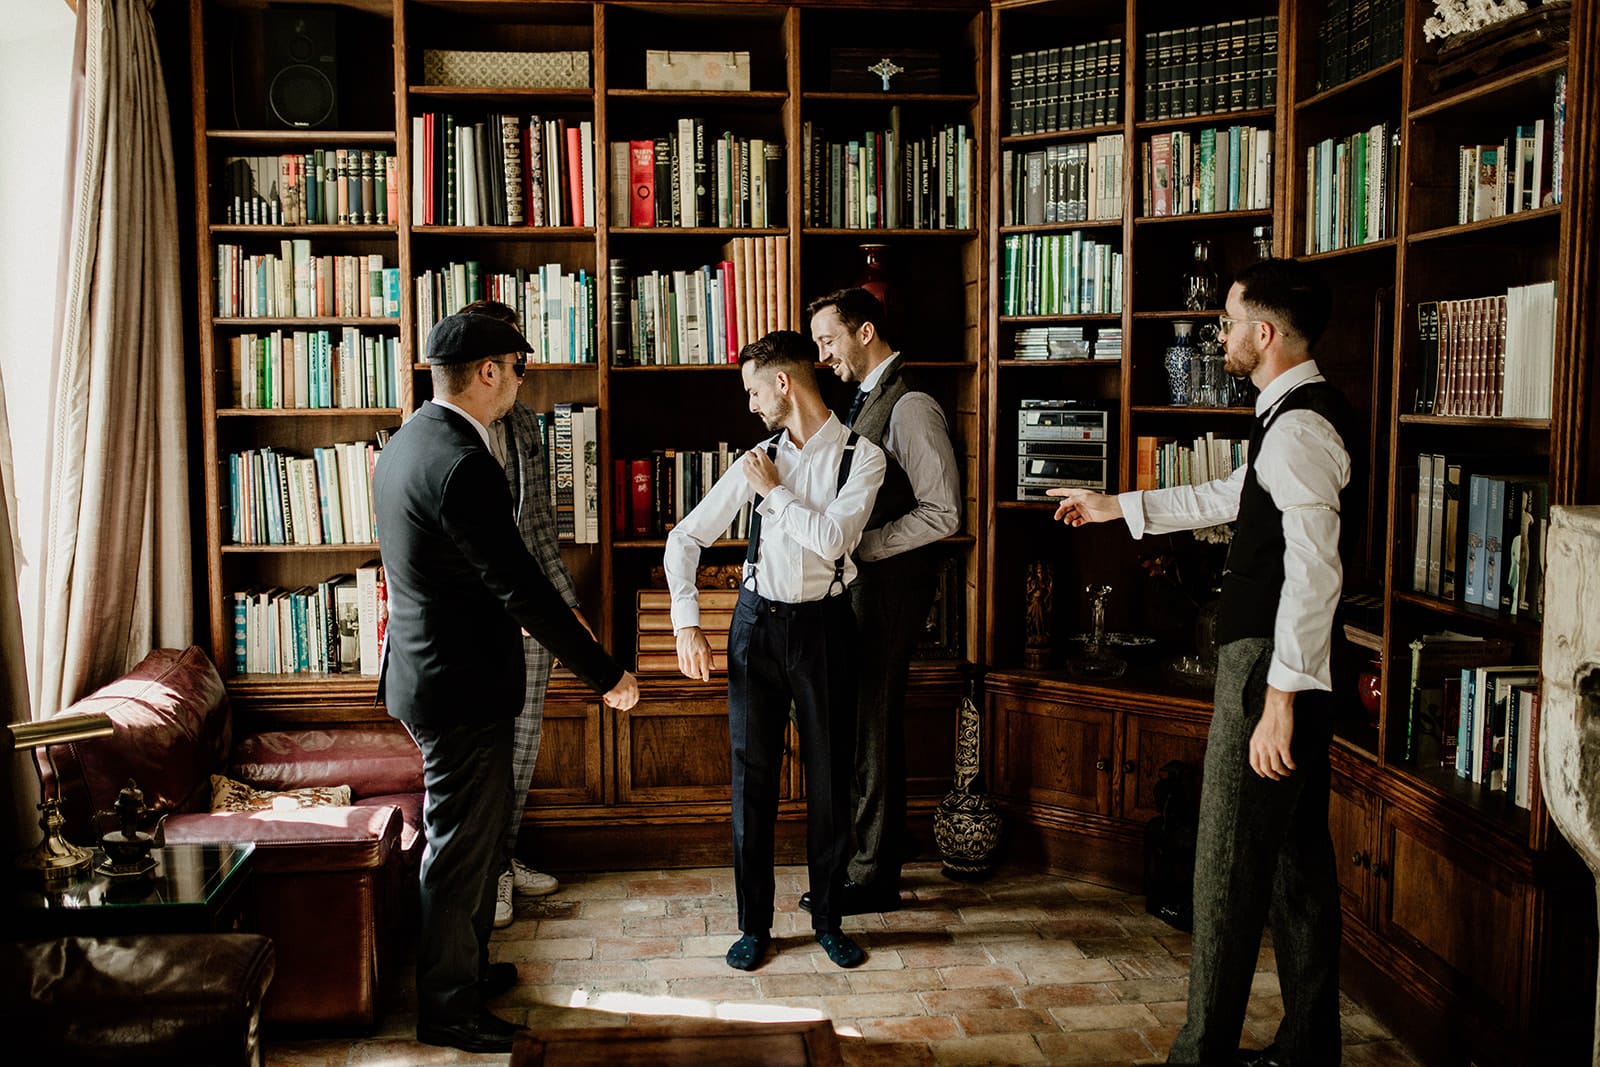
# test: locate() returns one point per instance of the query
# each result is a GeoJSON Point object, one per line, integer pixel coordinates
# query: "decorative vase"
{"type": "Point", "coordinates": [1200, 279]}
{"type": "Point", "coordinates": [1208, 382]}
{"type": "Point", "coordinates": [966, 826]}
{"type": "Point", "coordinates": [1261, 242]}
{"type": "Point", "coordinates": [1369, 689]}
{"type": "Point", "coordinates": [874, 277]}
{"type": "Point", "coordinates": [1180, 355]}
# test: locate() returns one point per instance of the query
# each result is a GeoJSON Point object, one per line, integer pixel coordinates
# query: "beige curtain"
{"type": "Point", "coordinates": [17, 768]}
{"type": "Point", "coordinates": [116, 560]}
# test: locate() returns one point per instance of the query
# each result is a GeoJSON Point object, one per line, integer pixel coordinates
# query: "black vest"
{"type": "Point", "coordinates": [1252, 584]}
{"type": "Point", "coordinates": [895, 496]}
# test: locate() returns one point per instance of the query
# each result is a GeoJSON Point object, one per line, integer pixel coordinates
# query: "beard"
{"type": "Point", "coordinates": [1241, 361]}
{"type": "Point", "coordinates": [779, 414]}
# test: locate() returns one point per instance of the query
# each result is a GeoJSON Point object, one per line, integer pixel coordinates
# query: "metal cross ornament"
{"type": "Point", "coordinates": [886, 68]}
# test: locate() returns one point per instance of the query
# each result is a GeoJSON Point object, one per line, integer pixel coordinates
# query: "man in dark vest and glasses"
{"type": "Point", "coordinates": [1263, 843]}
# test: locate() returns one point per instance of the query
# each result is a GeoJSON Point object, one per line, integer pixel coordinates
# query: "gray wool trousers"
{"type": "Point", "coordinates": [1263, 848]}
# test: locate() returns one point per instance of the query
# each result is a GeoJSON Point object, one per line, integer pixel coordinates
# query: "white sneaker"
{"type": "Point", "coordinates": [531, 883]}
{"type": "Point", "coordinates": [502, 901]}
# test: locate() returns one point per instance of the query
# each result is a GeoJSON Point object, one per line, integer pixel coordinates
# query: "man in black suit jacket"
{"type": "Point", "coordinates": [462, 591]}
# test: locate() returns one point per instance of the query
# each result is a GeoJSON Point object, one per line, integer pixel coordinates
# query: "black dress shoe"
{"type": "Point", "coordinates": [1270, 1056]}
{"type": "Point", "coordinates": [477, 1033]}
{"type": "Point", "coordinates": [497, 979]}
{"type": "Point", "coordinates": [856, 899]}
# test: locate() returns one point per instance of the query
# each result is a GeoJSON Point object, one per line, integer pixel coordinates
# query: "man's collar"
{"type": "Point", "coordinates": [1280, 386]}
{"type": "Point", "coordinates": [874, 376]}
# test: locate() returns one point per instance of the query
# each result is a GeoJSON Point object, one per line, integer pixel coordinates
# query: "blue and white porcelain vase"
{"type": "Point", "coordinates": [1180, 355]}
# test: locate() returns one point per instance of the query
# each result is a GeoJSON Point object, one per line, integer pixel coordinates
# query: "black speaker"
{"type": "Point", "coordinates": [299, 63]}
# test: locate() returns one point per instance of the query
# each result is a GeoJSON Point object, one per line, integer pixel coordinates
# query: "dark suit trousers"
{"type": "Point", "coordinates": [1263, 844]}
{"type": "Point", "coordinates": [778, 655]}
{"type": "Point", "coordinates": [467, 773]}
{"type": "Point", "coordinates": [891, 599]}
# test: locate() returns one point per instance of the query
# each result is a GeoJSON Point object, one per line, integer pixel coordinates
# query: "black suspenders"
{"type": "Point", "coordinates": [753, 550]}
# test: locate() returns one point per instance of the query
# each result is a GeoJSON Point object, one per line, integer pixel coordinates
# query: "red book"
{"type": "Point", "coordinates": [574, 162]}
{"type": "Point", "coordinates": [642, 509]}
{"type": "Point", "coordinates": [642, 175]}
{"type": "Point", "coordinates": [621, 492]}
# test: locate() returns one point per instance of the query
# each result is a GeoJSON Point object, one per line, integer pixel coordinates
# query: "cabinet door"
{"type": "Point", "coordinates": [1455, 911]}
{"type": "Point", "coordinates": [1352, 820]}
{"type": "Point", "coordinates": [930, 732]}
{"type": "Point", "coordinates": [1054, 754]}
{"type": "Point", "coordinates": [1149, 744]}
{"type": "Point", "coordinates": [568, 771]}
{"type": "Point", "coordinates": [676, 751]}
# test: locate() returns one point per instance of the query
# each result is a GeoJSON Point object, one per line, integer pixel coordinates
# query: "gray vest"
{"type": "Point", "coordinates": [895, 498]}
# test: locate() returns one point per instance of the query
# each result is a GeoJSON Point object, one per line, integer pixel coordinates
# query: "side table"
{"type": "Point", "coordinates": [193, 889]}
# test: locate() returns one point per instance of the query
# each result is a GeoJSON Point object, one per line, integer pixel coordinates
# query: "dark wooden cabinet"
{"type": "Point", "coordinates": [1054, 754]}
{"type": "Point", "coordinates": [1149, 744]}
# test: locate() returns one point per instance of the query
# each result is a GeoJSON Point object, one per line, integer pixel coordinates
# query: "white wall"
{"type": "Point", "coordinates": [35, 70]}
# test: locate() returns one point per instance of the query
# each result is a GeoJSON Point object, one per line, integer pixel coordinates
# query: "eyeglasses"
{"type": "Point", "coordinates": [1225, 323]}
{"type": "Point", "coordinates": [519, 367]}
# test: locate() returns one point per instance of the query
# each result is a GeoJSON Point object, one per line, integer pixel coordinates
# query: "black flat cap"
{"type": "Point", "coordinates": [463, 338]}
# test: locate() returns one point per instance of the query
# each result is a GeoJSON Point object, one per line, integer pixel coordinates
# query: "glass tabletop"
{"type": "Point", "coordinates": [184, 876]}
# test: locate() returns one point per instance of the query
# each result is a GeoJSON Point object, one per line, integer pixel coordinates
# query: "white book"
{"type": "Point", "coordinates": [367, 618]}
{"type": "Point", "coordinates": [586, 175]}
{"type": "Point", "coordinates": [685, 164]}
{"type": "Point", "coordinates": [309, 506]}
{"type": "Point", "coordinates": [589, 420]}
{"type": "Point", "coordinates": [418, 170]}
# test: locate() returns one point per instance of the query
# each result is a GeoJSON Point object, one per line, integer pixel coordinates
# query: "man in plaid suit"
{"type": "Point", "coordinates": [518, 445]}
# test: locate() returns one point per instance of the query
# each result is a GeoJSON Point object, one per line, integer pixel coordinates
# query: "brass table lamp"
{"type": "Point", "coordinates": [55, 860]}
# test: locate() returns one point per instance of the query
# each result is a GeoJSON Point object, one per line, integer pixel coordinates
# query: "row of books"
{"type": "Point", "coordinates": [1164, 464]}
{"type": "Point", "coordinates": [1189, 172]}
{"type": "Point", "coordinates": [1480, 538]}
{"type": "Point", "coordinates": [324, 186]}
{"type": "Point", "coordinates": [276, 498]}
{"type": "Point", "coordinates": [888, 179]}
{"type": "Point", "coordinates": [571, 445]}
{"type": "Point", "coordinates": [501, 170]}
{"type": "Point", "coordinates": [306, 369]}
{"type": "Point", "coordinates": [555, 307]}
{"type": "Point", "coordinates": [704, 315]}
{"type": "Point", "coordinates": [1351, 185]}
{"type": "Point", "coordinates": [1079, 182]}
{"type": "Point", "coordinates": [1198, 70]}
{"type": "Point", "coordinates": [650, 494]}
{"type": "Point", "coordinates": [1064, 88]}
{"type": "Point", "coordinates": [333, 627]}
{"type": "Point", "coordinates": [1067, 342]}
{"type": "Point", "coordinates": [1488, 356]}
{"type": "Point", "coordinates": [658, 646]}
{"type": "Point", "coordinates": [681, 180]}
{"type": "Point", "coordinates": [1355, 36]}
{"type": "Point", "coordinates": [296, 284]}
{"type": "Point", "coordinates": [1502, 179]}
{"type": "Point", "coordinates": [1059, 274]}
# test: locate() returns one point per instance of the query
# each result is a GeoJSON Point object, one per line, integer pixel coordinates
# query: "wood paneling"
{"type": "Point", "coordinates": [1149, 743]}
{"type": "Point", "coordinates": [1352, 820]}
{"type": "Point", "coordinates": [1055, 754]}
{"type": "Point", "coordinates": [569, 767]}
{"type": "Point", "coordinates": [675, 752]}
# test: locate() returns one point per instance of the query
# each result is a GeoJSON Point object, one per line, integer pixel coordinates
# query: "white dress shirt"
{"type": "Point", "coordinates": [919, 440]}
{"type": "Point", "coordinates": [805, 526]}
{"type": "Point", "coordinates": [483, 431]}
{"type": "Point", "coordinates": [1302, 465]}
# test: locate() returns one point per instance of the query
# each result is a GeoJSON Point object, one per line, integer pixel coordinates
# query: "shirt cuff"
{"type": "Point", "coordinates": [1133, 512]}
{"type": "Point", "coordinates": [1284, 677]}
{"type": "Point", "coordinates": [685, 613]}
{"type": "Point", "coordinates": [776, 502]}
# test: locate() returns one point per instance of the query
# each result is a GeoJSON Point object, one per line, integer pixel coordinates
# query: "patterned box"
{"type": "Point", "coordinates": [506, 70]}
{"type": "Point", "coordinates": [697, 70]}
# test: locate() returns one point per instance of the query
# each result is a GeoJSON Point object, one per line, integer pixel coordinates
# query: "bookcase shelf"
{"type": "Point", "coordinates": [890, 97]}
{"type": "Point", "coordinates": [1205, 218]}
{"type": "Point", "coordinates": [1165, 409]}
{"type": "Point", "coordinates": [1077, 133]}
{"type": "Point", "coordinates": [1024, 320]}
{"type": "Point", "coordinates": [730, 97]}
{"type": "Point", "coordinates": [1473, 612]}
{"type": "Point", "coordinates": [1108, 225]}
{"type": "Point", "coordinates": [364, 549]}
{"type": "Point", "coordinates": [484, 94]}
{"type": "Point", "coordinates": [1164, 315]}
{"type": "Point", "coordinates": [319, 230]}
{"type": "Point", "coordinates": [1228, 118]}
{"type": "Point", "coordinates": [1476, 422]}
{"type": "Point", "coordinates": [697, 231]}
{"type": "Point", "coordinates": [1379, 84]}
{"type": "Point", "coordinates": [1388, 244]}
{"type": "Point", "coordinates": [305, 413]}
{"type": "Point", "coordinates": [865, 234]}
{"type": "Point", "coordinates": [1079, 364]}
{"type": "Point", "coordinates": [504, 233]}
{"type": "Point", "coordinates": [310, 138]}
{"type": "Point", "coordinates": [306, 323]}
{"type": "Point", "coordinates": [1486, 90]}
{"type": "Point", "coordinates": [1473, 230]}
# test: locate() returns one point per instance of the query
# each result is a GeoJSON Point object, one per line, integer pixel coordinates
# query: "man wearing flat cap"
{"type": "Point", "coordinates": [462, 591]}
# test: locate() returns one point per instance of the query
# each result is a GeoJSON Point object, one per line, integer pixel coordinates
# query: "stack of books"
{"type": "Point", "coordinates": [658, 646]}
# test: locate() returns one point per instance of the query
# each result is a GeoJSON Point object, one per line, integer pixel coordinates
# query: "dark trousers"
{"type": "Point", "coordinates": [778, 655]}
{"type": "Point", "coordinates": [467, 773]}
{"type": "Point", "coordinates": [1263, 843]}
{"type": "Point", "coordinates": [891, 599]}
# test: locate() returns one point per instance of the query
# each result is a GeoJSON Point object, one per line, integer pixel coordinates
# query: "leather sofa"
{"type": "Point", "coordinates": [332, 886]}
{"type": "Point", "coordinates": [156, 999]}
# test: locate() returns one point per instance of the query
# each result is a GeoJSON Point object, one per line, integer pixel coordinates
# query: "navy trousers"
{"type": "Point", "coordinates": [467, 773]}
{"type": "Point", "coordinates": [804, 656]}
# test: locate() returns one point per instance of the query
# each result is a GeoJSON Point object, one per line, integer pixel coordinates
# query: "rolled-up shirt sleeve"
{"type": "Point", "coordinates": [702, 526]}
{"type": "Point", "coordinates": [1304, 466]}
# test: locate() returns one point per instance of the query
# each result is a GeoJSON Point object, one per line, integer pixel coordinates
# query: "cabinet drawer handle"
{"type": "Point", "coordinates": [1360, 859]}
{"type": "Point", "coordinates": [1102, 765]}
{"type": "Point", "coordinates": [1129, 767]}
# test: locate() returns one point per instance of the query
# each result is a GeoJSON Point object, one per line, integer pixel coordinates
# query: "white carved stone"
{"type": "Point", "coordinates": [1569, 705]}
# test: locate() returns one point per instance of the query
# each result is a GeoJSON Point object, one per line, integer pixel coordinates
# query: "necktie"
{"type": "Point", "coordinates": [856, 404]}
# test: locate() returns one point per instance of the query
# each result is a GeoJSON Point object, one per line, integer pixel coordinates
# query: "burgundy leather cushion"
{"type": "Point", "coordinates": [410, 805]}
{"type": "Point", "coordinates": [305, 839]}
{"type": "Point", "coordinates": [372, 762]}
{"type": "Point", "coordinates": [172, 729]}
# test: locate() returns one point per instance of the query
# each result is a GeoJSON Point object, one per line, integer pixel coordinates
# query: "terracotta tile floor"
{"type": "Point", "coordinates": [1025, 968]}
